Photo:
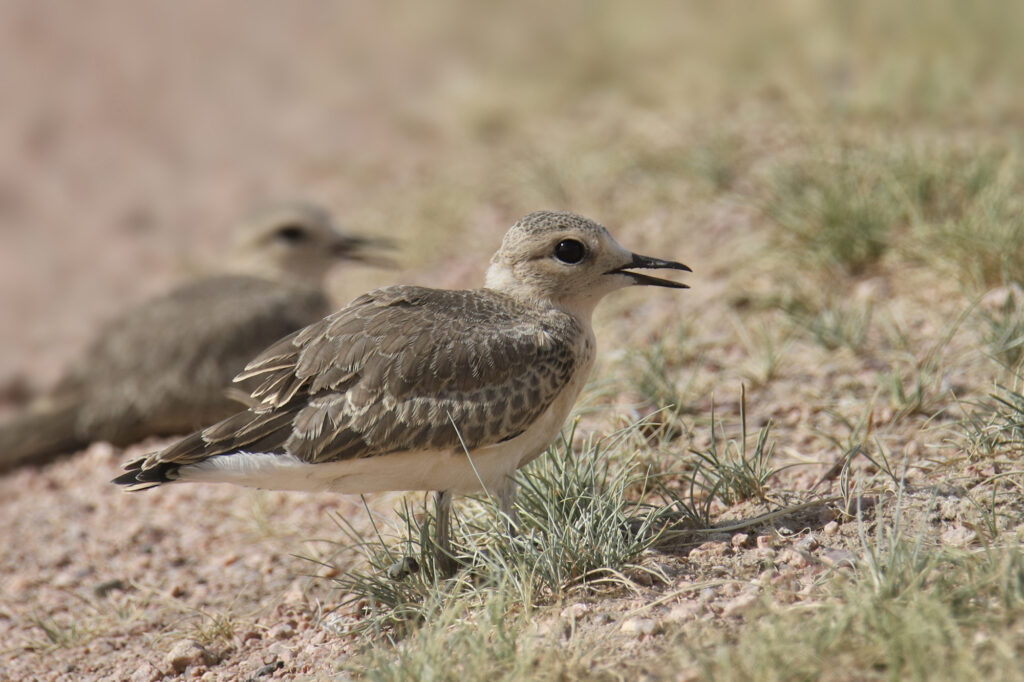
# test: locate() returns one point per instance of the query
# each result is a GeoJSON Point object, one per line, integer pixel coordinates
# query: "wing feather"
{"type": "Point", "coordinates": [399, 369]}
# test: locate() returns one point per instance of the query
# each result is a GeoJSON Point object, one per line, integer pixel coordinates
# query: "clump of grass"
{"type": "Point", "coordinates": [718, 160]}
{"type": "Point", "coordinates": [1009, 417]}
{"type": "Point", "coordinates": [993, 427]}
{"type": "Point", "coordinates": [837, 214]}
{"type": "Point", "coordinates": [765, 346]}
{"type": "Point", "coordinates": [913, 388]}
{"type": "Point", "coordinates": [730, 469]}
{"type": "Point", "coordinates": [836, 324]}
{"type": "Point", "coordinates": [1003, 333]}
{"type": "Point", "coordinates": [970, 215]}
{"type": "Point", "coordinates": [579, 524]}
{"type": "Point", "coordinates": [583, 513]}
{"type": "Point", "coordinates": [977, 435]}
{"type": "Point", "coordinates": [916, 381]}
{"type": "Point", "coordinates": [903, 612]}
{"type": "Point", "coordinates": [654, 369]}
{"type": "Point", "coordinates": [462, 639]}
{"type": "Point", "coordinates": [57, 634]}
{"type": "Point", "coordinates": [943, 184]}
{"type": "Point", "coordinates": [956, 209]}
{"type": "Point", "coordinates": [215, 628]}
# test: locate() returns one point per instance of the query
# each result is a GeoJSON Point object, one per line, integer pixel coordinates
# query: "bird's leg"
{"type": "Point", "coordinates": [507, 503]}
{"type": "Point", "coordinates": [443, 558]}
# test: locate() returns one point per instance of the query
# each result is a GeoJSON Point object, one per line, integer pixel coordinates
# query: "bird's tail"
{"type": "Point", "coordinates": [137, 478]}
{"type": "Point", "coordinates": [38, 436]}
{"type": "Point", "coordinates": [246, 429]}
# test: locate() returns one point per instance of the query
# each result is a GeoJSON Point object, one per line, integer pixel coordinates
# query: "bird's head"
{"type": "Point", "coordinates": [569, 261]}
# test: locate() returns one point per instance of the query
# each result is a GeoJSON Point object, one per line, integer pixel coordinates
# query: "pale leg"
{"type": "Point", "coordinates": [445, 562]}
{"type": "Point", "coordinates": [507, 504]}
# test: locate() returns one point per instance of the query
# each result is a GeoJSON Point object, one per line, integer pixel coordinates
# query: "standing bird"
{"type": "Point", "coordinates": [408, 388]}
{"type": "Point", "coordinates": [164, 367]}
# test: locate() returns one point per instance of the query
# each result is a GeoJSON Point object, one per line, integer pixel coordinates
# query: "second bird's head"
{"type": "Point", "coordinates": [299, 243]}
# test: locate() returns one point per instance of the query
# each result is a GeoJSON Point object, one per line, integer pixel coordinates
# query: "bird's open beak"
{"type": "Point", "coordinates": [365, 250]}
{"type": "Point", "coordinates": [649, 263]}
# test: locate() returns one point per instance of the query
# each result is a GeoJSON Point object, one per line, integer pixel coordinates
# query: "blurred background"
{"type": "Point", "coordinates": [134, 133]}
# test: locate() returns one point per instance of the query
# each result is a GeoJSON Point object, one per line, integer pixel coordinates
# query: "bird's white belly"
{"type": "Point", "coordinates": [482, 469]}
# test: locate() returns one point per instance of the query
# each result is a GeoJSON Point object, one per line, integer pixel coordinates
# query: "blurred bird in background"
{"type": "Point", "coordinates": [165, 367]}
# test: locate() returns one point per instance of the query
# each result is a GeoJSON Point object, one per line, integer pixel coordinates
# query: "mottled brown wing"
{"type": "Point", "coordinates": [400, 368]}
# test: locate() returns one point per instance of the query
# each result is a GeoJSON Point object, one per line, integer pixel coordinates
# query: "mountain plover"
{"type": "Point", "coordinates": [163, 367]}
{"type": "Point", "coordinates": [408, 388]}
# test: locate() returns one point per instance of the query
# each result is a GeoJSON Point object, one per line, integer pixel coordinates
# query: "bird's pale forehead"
{"type": "Point", "coordinates": [544, 225]}
{"type": "Point", "coordinates": [553, 221]}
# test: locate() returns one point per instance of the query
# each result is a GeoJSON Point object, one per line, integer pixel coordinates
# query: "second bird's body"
{"type": "Point", "coordinates": [165, 366]}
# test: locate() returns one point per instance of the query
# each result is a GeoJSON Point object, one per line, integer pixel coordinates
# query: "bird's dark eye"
{"type": "Point", "coordinates": [291, 234]}
{"type": "Point", "coordinates": [570, 251]}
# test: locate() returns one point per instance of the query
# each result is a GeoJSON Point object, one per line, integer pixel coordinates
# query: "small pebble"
{"type": "Point", "coordinates": [282, 631]}
{"type": "Point", "coordinates": [792, 558]}
{"type": "Point", "coordinates": [740, 539]}
{"type": "Point", "coordinates": [279, 651]}
{"type": "Point", "coordinates": [146, 672]}
{"type": "Point", "coordinates": [839, 558]}
{"type": "Point", "coordinates": [682, 612]}
{"type": "Point", "coordinates": [640, 627]}
{"type": "Point", "coordinates": [269, 669]}
{"type": "Point", "coordinates": [807, 544]}
{"type": "Point", "coordinates": [575, 611]}
{"type": "Point", "coordinates": [958, 536]}
{"type": "Point", "coordinates": [831, 528]}
{"type": "Point", "coordinates": [716, 548]}
{"type": "Point", "coordinates": [107, 586]}
{"type": "Point", "coordinates": [641, 578]}
{"type": "Point", "coordinates": [764, 541]}
{"type": "Point", "coordinates": [188, 653]}
{"type": "Point", "coordinates": [740, 604]}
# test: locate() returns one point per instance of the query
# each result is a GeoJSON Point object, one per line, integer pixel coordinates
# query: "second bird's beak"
{"type": "Point", "coordinates": [364, 250]}
{"type": "Point", "coordinates": [649, 263]}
